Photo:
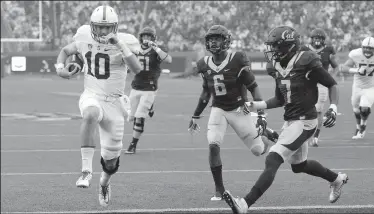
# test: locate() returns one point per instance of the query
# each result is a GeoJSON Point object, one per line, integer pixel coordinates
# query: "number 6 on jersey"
{"type": "Point", "coordinates": [219, 86]}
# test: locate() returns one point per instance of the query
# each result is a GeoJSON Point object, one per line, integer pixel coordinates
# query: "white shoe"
{"type": "Point", "coordinates": [84, 180]}
{"type": "Point", "coordinates": [360, 133]}
{"type": "Point", "coordinates": [216, 198]}
{"type": "Point", "coordinates": [313, 142]}
{"type": "Point", "coordinates": [336, 187]}
{"type": "Point", "coordinates": [238, 205]}
{"type": "Point", "coordinates": [104, 195]}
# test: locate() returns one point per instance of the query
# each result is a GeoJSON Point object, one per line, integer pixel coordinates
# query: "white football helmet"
{"type": "Point", "coordinates": [368, 46]}
{"type": "Point", "coordinates": [104, 20]}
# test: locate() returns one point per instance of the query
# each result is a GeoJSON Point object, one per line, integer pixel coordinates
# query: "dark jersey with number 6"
{"type": "Point", "coordinates": [293, 87]}
{"type": "Point", "coordinates": [225, 82]}
{"type": "Point", "coordinates": [147, 78]}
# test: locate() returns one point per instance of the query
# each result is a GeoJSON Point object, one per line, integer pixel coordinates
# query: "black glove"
{"type": "Point", "coordinates": [261, 122]}
{"type": "Point", "coordinates": [246, 109]}
{"type": "Point", "coordinates": [329, 118]}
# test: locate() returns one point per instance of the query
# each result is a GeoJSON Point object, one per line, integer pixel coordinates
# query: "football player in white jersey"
{"type": "Point", "coordinates": [107, 55]}
{"type": "Point", "coordinates": [361, 63]}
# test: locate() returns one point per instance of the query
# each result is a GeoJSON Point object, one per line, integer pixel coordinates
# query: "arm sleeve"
{"type": "Point", "coordinates": [277, 100]}
{"type": "Point", "coordinates": [247, 78]}
{"type": "Point", "coordinates": [318, 74]}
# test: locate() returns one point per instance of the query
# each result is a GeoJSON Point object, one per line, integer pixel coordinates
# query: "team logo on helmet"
{"type": "Point", "coordinates": [288, 36]}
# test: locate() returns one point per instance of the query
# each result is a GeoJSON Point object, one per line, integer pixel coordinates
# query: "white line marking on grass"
{"type": "Point", "coordinates": [200, 210]}
{"type": "Point", "coordinates": [362, 145]}
{"type": "Point", "coordinates": [154, 134]}
{"type": "Point", "coordinates": [166, 172]}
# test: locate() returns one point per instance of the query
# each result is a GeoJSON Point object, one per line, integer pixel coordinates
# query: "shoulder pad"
{"type": "Point", "coordinates": [241, 57]}
{"type": "Point", "coordinates": [200, 64]}
{"type": "Point", "coordinates": [131, 41]}
{"type": "Point", "coordinates": [307, 57]}
{"type": "Point", "coordinates": [304, 48]}
{"type": "Point", "coordinates": [355, 54]}
{"type": "Point", "coordinates": [330, 49]}
{"type": "Point", "coordinates": [82, 33]}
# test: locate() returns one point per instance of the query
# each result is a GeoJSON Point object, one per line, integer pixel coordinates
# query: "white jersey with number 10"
{"type": "Point", "coordinates": [365, 80]}
{"type": "Point", "coordinates": [105, 70]}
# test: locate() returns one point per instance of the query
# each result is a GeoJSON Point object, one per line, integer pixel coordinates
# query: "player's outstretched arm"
{"type": "Point", "coordinates": [193, 126]}
{"type": "Point", "coordinates": [130, 59]}
{"type": "Point", "coordinates": [65, 52]}
{"type": "Point", "coordinates": [203, 102]}
{"type": "Point", "coordinates": [334, 64]}
{"type": "Point", "coordinates": [164, 56]}
{"type": "Point", "coordinates": [347, 67]}
{"type": "Point", "coordinates": [276, 101]}
{"type": "Point", "coordinates": [320, 75]}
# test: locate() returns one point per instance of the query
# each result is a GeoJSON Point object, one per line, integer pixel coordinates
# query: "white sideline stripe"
{"type": "Point", "coordinates": [199, 210]}
{"type": "Point", "coordinates": [172, 149]}
{"type": "Point", "coordinates": [146, 134]}
{"type": "Point", "coordinates": [167, 172]}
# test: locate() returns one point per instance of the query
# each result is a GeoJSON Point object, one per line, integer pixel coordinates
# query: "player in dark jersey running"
{"type": "Point", "coordinates": [224, 75]}
{"type": "Point", "coordinates": [145, 84]}
{"type": "Point", "coordinates": [296, 75]}
{"type": "Point", "coordinates": [327, 55]}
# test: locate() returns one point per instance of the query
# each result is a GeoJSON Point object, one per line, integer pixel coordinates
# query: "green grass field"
{"type": "Point", "coordinates": [40, 157]}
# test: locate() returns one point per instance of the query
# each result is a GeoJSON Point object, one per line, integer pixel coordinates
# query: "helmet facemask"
{"type": "Point", "coordinates": [318, 42]}
{"type": "Point", "coordinates": [216, 43]}
{"type": "Point", "coordinates": [278, 51]}
{"type": "Point", "coordinates": [368, 51]}
{"type": "Point", "coordinates": [144, 37]}
{"type": "Point", "coordinates": [99, 31]}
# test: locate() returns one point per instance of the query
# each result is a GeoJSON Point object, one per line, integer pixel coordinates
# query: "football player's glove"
{"type": "Point", "coordinates": [193, 127]}
{"type": "Point", "coordinates": [150, 44]}
{"type": "Point", "coordinates": [261, 123]}
{"type": "Point", "coordinates": [246, 108]}
{"type": "Point", "coordinates": [330, 116]}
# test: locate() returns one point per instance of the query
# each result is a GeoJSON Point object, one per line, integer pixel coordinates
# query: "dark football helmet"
{"type": "Point", "coordinates": [318, 36]}
{"type": "Point", "coordinates": [212, 44]}
{"type": "Point", "coordinates": [147, 31]}
{"type": "Point", "coordinates": [282, 41]}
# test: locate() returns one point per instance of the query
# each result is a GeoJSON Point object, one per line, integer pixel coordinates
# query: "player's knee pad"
{"type": "Point", "coordinates": [297, 168]}
{"type": "Point", "coordinates": [139, 124]}
{"type": "Point", "coordinates": [365, 112]}
{"type": "Point", "coordinates": [110, 169]}
{"type": "Point", "coordinates": [91, 115]}
{"type": "Point", "coordinates": [273, 160]}
{"type": "Point", "coordinates": [214, 149]}
{"type": "Point", "coordinates": [357, 114]}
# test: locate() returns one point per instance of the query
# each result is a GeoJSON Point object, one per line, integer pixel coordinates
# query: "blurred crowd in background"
{"type": "Point", "coordinates": [181, 25]}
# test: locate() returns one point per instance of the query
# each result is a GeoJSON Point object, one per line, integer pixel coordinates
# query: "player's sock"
{"type": "Point", "coordinates": [134, 141]}
{"type": "Point", "coordinates": [217, 177]}
{"type": "Point", "coordinates": [105, 179]}
{"type": "Point", "coordinates": [316, 134]}
{"type": "Point", "coordinates": [363, 122]}
{"type": "Point", "coordinates": [87, 154]}
{"type": "Point", "coordinates": [272, 164]}
{"type": "Point", "coordinates": [358, 119]}
{"type": "Point", "coordinates": [312, 167]}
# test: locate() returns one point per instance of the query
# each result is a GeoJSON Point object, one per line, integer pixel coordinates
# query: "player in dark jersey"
{"type": "Point", "coordinates": [327, 54]}
{"type": "Point", "coordinates": [296, 75]}
{"type": "Point", "coordinates": [145, 83]}
{"type": "Point", "coordinates": [224, 75]}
